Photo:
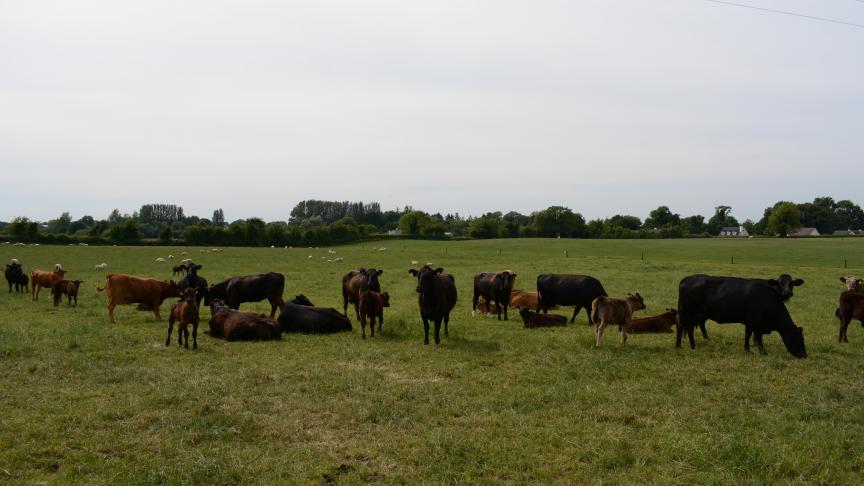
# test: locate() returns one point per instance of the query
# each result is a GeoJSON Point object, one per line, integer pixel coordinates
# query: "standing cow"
{"type": "Point", "coordinates": [193, 280]}
{"type": "Point", "coordinates": [15, 276]}
{"type": "Point", "coordinates": [129, 289]}
{"type": "Point", "coordinates": [437, 298]}
{"type": "Point", "coordinates": [355, 282]}
{"type": "Point", "coordinates": [494, 287]}
{"type": "Point", "coordinates": [754, 303]}
{"type": "Point", "coordinates": [41, 278]}
{"type": "Point", "coordinates": [250, 288]}
{"type": "Point", "coordinates": [576, 290]}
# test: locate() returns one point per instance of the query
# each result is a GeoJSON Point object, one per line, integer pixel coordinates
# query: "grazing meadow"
{"type": "Point", "coordinates": [83, 400]}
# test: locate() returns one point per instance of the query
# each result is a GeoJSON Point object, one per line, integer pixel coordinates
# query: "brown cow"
{"type": "Point", "coordinates": [128, 289]}
{"type": "Point", "coordinates": [241, 326]}
{"type": "Point", "coordinates": [372, 305]}
{"type": "Point", "coordinates": [533, 319]}
{"type": "Point", "coordinates": [851, 307]}
{"type": "Point", "coordinates": [357, 281]}
{"type": "Point", "coordinates": [852, 283]}
{"type": "Point", "coordinates": [184, 313]}
{"type": "Point", "coordinates": [657, 324]}
{"type": "Point", "coordinates": [67, 287]}
{"type": "Point", "coordinates": [41, 278]}
{"type": "Point", "coordinates": [521, 298]}
{"type": "Point", "coordinates": [607, 310]}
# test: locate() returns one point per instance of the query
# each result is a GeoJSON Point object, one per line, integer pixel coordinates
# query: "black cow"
{"type": "Point", "coordinates": [576, 290]}
{"type": "Point", "coordinates": [355, 282]}
{"type": "Point", "coordinates": [299, 317]}
{"type": "Point", "coordinates": [193, 280]}
{"type": "Point", "coordinates": [15, 276]}
{"type": "Point", "coordinates": [783, 285]}
{"type": "Point", "coordinates": [494, 287]}
{"type": "Point", "coordinates": [437, 298]}
{"type": "Point", "coordinates": [754, 303]}
{"type": "Point", "coordinates": [251, 288]}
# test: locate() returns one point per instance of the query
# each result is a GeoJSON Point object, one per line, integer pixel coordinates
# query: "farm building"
{"type": "Point", "coordinates": [848, 232]}
{"type": "Point", "coordinates": [804, 232]}
{"type": "Point", "coordinates": [734, 231]}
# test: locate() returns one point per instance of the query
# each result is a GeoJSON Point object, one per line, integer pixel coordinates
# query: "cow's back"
{"type": "Point", "coordinates": [730, 300]}
{"type": "Point", "coordinates": [576, 290]}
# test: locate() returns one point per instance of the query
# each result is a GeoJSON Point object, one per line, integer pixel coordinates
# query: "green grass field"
{"type": "Point", "coordinates": [82, 400]}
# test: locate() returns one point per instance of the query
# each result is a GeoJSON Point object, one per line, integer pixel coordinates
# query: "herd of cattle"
{"type": "Point", "coordinates": [758, 304]}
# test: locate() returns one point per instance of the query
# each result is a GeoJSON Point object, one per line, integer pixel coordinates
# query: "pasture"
{"type": "Point", "coordinates": [83, 400]}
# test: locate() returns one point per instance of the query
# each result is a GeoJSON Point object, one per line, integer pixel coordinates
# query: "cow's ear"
{"type": "Point", "coordinates": [413, 272]}
{"type": "Point", "coordinates": [439, 270]}
{"type": "Point", "coordinates": [798, 282]}
{"type": "Point", "coordinates": [380, 272]}
{"type": "Point", "coordinates": [843, 279]}
{"type": "Point", "coordinates": [512, 274]}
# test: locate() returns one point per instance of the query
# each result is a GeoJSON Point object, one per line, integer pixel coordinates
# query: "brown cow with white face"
{"type": "Point", "coordinates": [41, 278]}
{"type": "Point", "coordinates": [129, 289]}
{"type": "Point", "coordinates": [852, 283]}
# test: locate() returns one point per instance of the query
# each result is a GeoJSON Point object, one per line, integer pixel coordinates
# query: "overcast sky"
{"type": "Point", "coordinates": [606, 106]}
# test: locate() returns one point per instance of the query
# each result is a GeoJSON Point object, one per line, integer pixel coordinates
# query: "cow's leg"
{"type": "Point", "coordinates": [380, 320]}
{"type": "Point", "coordinates": [170, 328]}
{"type": "Point", "coordinates": [758, 338]}
{"type": "Point", "coordinates": [747, 333]}
{"type": "Point", "coordinates": [679, 331]}
{"type": "Point", "coordinates": [438, 331]}
{"type": "Point", "coordinates": [156, 311]}
{"type": "Point", "coordinates": [35, 292]}
{"type": "Point", "coordinates": [272, 307]}
{"type": "Point", "coordinates": [186, 334]}
{"type": "Point", "coordinates": [363, 325]}
{"type": "Point", "coordinates": [623, 330]}
{"type": "Point", "coordinates": [372, 325]}
{"type": "Point", "coordinates": [357, 309]}
{"type": "Point", "coordinates": [111, 306]}
{"type": "Point", "coordinates": [194, 334]}
{"type": "Point", "coordinates": [425, 330]}
{"type": "Point", "coordinates": [690, 330]}
{"type": "Point", "coordinates": [598, 332]}
{"type": "Point", "coordinates": [704, 331]}
{"type": "Point", "coordinates": [344, 302]}
{"type": "Point", "coordinates": [474, 301]}
{"type": "Point", "coordinates": [446, 322]}
{"type": "Point", "coordinates": [506, 304]}
{"type": "Point", "coordinates": [576, 311]}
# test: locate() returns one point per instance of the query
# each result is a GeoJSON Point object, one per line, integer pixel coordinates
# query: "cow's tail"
{"type": "Point", "coordinates": [106, 284]}
{"type": "Point", "coordinates": [837, 313]}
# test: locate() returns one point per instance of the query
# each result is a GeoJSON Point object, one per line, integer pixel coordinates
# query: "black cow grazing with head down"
{"type": "Point", "coordinates": [784, 286]}
{"type": "Point", "coordinates": [15, 276]}
{"type": "Point", "coordinates": [754, 303]}
{"type": "Point", "coordinates": [355, 282]}
{"type": "Point", "coordinates": [193, 280]}
{"type": "Point", "coordinates": [437, 298]}
{"type": "Point", "coordinates": [300, 317]}
{"type": "Point", "coordinates": [251, 288]}
{"type": "Point", "coordinates": [494, 287]}
{"type": "Point", "coordinates": [576, 290]}
{"type": "Point", "coordinates": [241, 326]}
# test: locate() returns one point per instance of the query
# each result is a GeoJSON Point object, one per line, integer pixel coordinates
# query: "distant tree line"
{"type": "Point", "coordinates": [315, 223]}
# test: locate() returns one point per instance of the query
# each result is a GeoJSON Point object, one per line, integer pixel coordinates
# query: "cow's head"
{"type": "Point", "coordinates": [506, 280]}
{"type": "Point", "coordinates": [852, 283]}
{"type": "Point", "coordinates": [192, 269]}
{"type": "Point", "coordinates": [794, 340]}
{"type": "Point", "coordinates": [372, 278]}
{"type": "Point", "coordinates": [784, 284]}
{"type": "Point", "coordinates": [425, 277]}
{"type": "Point", "coordinates": [673, 313]}
{"type": "Point", "coordinates": [77, 283]}
{"type": "Point", "coordinates": [301, 300]}
{"type": "Point", "coordinates": [635, 301]}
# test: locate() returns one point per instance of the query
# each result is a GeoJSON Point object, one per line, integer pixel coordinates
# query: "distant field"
{"type": "Point", "coordinates": [82, 400]}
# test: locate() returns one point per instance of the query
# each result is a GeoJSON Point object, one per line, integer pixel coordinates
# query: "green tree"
{"type": "Point", "coordinates": [662, 217]}
{"type": "Point", "coordinates": [411, 223]}
{"type": "Point", "coordinates": [722, 218]}
{"type": "Point", "coordinates": [486, 226]}
{"type": "Point", "coordinates": [218, 218]}
{"type": "Point", "coordinates": [785, 218]}
{"type": "Point", "coordinates": [559, 221]}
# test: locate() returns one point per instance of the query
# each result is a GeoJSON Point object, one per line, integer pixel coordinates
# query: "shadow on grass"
{"type": "Point", "coordinates": [470, 345]}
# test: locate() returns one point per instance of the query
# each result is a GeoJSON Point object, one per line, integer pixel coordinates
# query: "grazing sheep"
{"type": "Point", "coordinates": [170, 257]}
{"type": "Point", "coordinates": [160, 260]}
{"type": "Point", "coordinates": [101, 266]}
{"type": "Point", "coordinates": [183, 253]}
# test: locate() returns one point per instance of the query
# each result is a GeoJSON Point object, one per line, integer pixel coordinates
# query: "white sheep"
{"type": "Point", "coordinates": [414, 262]}
{"type": "Point", "coordinates": [101, 266]}
{"type": "Point", "coordinates": [331, 252]}
{"type": "Point", "coordinates": [170, 257]}
{"type": "Point", "coordinates": [58, 267]}
{"type": "Point", "coordinates": [160, 260]}
{"type": "Point", "coordinates": [183, 253]}
{"type": "Point", "coordinates": [338, 259]}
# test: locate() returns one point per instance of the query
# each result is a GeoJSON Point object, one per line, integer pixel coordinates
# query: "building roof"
{"type": "Point", "coordinates": [805, 232]}
{"type": "Point", "coordinates": [735, 229]}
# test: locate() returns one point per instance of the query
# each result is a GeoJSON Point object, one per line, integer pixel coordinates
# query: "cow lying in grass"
{"type": "Point", "coordinates": [531, 300]}
{"type": "Point", "coordinates": [184, 312]}
{"type": "Point", "coordinates": [372, 305]}
{"type": "Point", "coordinates": [241, 326]}
{"type": "Point", "coordinates": [68, 288]}
{"type": "Point", "coordinates": [656, 324]}
{"type": "Point", "coordinates": [533, 319]}
{"type": "Point", "coordinates": [608, 310]}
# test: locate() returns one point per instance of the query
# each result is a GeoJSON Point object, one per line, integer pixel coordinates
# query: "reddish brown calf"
{"type": "Point", "coordinates": [656, 324]}
{"type": "Point", "coordinates": [372, 305]}
{"type": "Point", "coordinates": [533, 319]}
{"type": "Point", "coordinates": [67, 287]}
{"type": "Point", "coordinates": [184, 312]}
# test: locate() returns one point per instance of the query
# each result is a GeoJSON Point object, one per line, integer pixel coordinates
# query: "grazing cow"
{"type": "Point", "coordinates": [608, 310]}
{"type": "Point", "coordinates": [531, 300]}
{"type": "Point", "coordinates": [251, 288]}
{"type": "Point", "coordinates": [15, 276]}
{"type": "Point", "coordinates": [494, 287]}
{"type": "Point", "coordinates": [179, 269]}
{"type": "Point", "coordinates": [128, 289]}
{"type": "Point", "coordinates": [851, 307]}
{"type": "Point", "coordinates": [437, 297]}
{"type": "Point", "coordinates": [533, 319]}
{"type": "Point", "coordinates": [372, 305]}
{"type": "Point", "coordinates": [656, 324]}
{"type": "Point", "coordinates": [783, 285]}
{"type": "Point", "coordinates": [67, 287]}
{"type": "Point", "coordinates": [184, 312]}
{"type": "Point", "coordinates": [241, 326]}
{"type": "Point", "coordinates": [751, 302]}
{"type": "Point", "coordinates": [196, 282]}
{"type": "Point", "coordinates": [576, 290]}
{"type": "Point", "coordinates": [852, 283]}
{"type": "Point", "coordinates": [357, 281]}
{"type": "Point", "coordinates": [314, 320]}
{"type": "Point", "coordinates": [41, 278]}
